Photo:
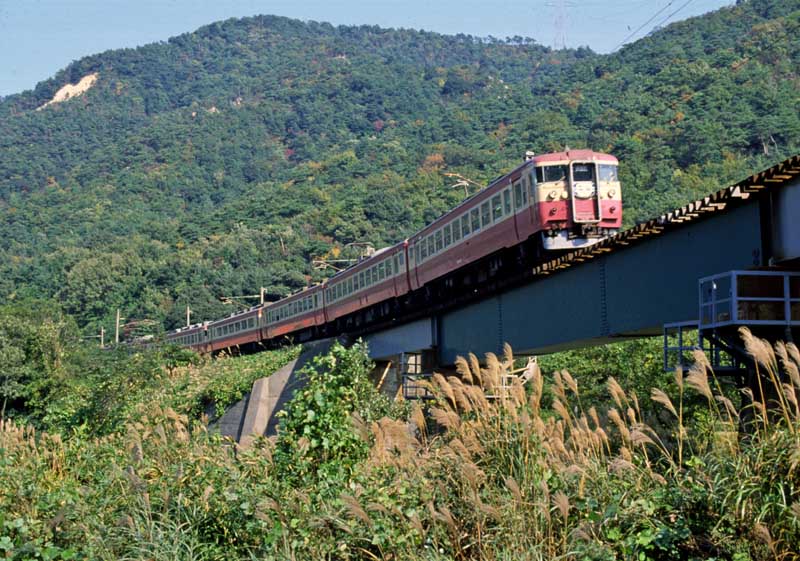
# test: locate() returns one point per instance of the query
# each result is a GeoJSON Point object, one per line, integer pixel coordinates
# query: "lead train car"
{"type": "Point", "coordinates": [570, 199]}
{"type": "Point", "coordinates": [561, 201]}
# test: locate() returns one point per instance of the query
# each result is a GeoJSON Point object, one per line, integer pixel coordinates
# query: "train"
{"type": "Point", "coordinates": [550, 203]}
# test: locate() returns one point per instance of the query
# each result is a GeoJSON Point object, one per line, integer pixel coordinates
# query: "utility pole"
{"type": "Point", "coordinates": [263, 292]}
{"type": "Point", "coordinates": [116, 329]}
{"type": "Point", "coordinates": [188, 316]}
{"type": "Point", "coordinates": [102, 336]}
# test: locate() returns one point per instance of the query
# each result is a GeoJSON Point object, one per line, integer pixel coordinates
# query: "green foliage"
{"type": "Point", "coordinates": [226, 159]}
{"type": "Point", "coordinates": [637, 364]}
{"type": "Point", "coordinates": [52, 379]}
{"type": "Point", "coordinates": [35, 338]}
{"type": "Point", "coordinates": [317, 441]}
{"type": "Point", "coordinates": [512, 478]}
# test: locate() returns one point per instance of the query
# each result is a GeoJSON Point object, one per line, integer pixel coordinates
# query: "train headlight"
{"type": "Point", "coordinates": [611, 193]}
{"type": "Point", "coordinates": [564, 195]}
{"type": "Point", "coordinates": [552, 195]}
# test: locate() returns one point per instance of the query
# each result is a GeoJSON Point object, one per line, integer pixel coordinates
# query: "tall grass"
{"type": "Point", "coordinates": [491, 469]}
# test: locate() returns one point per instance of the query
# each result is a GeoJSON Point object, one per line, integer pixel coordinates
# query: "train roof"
{"type": "Point", "coordinates": [366, 261]}
{"type": "Point", "coordinates": [590, 155]}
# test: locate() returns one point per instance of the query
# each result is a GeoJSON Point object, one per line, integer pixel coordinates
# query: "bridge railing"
{"type": "Point", "coordinates": [769, 298]}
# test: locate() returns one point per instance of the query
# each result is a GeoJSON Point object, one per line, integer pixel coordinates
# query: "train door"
{"type": "Point", "coordinates": [585, 200]}
{"type": "Point", "coordinates": [405, 266]}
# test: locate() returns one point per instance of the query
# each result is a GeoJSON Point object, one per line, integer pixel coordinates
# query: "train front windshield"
{"type": "Point", "coordinates": [547, 174]}
{"type": "Point", "coordinates": [608, 172]}
{"type": "Point", "coordinates": [583, 172]}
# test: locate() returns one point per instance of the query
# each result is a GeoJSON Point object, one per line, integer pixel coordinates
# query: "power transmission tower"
{"type": "Point", "coordinates": [560, 22]}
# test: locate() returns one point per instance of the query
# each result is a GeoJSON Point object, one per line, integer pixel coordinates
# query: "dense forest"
{"type": "Point", "coordinates": [227, 159]}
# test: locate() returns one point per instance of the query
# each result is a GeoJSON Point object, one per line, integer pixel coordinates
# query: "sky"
{"type": "Point", "coordinates": [40, 37]}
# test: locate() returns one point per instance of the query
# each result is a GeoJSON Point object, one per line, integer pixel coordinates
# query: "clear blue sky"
{"type": "Point", "coordinates": [39, 37]}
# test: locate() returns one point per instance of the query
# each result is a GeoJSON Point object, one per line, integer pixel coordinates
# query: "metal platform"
{"type": "Point", "coordinates": [765, 301]}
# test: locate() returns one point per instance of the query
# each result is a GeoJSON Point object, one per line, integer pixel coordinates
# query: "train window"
{"type": "Point", "coordinates": [423, 251]}
{"type": "Point", "coordinates": [583, 172]}
{"type": "Point", "coordinates": [465, 226]}
{"type": "Point", "coordinates": [475, 219]}
{"type": "Point", "coordinates": [507, 201]}
{"type": "Point", "coordinates": [456, 226]}
{"type": "Point", "coordinates": [431, 249]}
{"type": "Point", "coordinates": [389, 268]}
{"type": "Point", "coordinates": [402, 259]}
{"type": "Point", "coordinates": [396, 263]}
{"type": "Point", "coordinates": [517, 195]}
{"type": "Point", "coordinates": [497, 208]}
{"type": "Point", "coordinates": [539, 175]}
{"type": "Point", "coordinates": [439, 241]}
{"type": "Point", "coordinates": [361, 279]}
{"type": "Point", "coordinates": [607, 172]}
{"type": "Point", "coordinates": [356, 282]}
{"type": "Point", "coordinates": [448, 237]}
{"type": "Point", "coordinates": [525, 188]}
{"type": "Point", "coordinates": [485, 214]}
{"type": "Point", "coordinates": [380, 271]}
{"type": "Point", "coordinates": [555, 173]}
{"type": "Point", "coordinates": [350, 285]}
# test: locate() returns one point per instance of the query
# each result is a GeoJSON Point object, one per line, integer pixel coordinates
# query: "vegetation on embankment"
{"type": "Point", "coordinates": [54, 380]}
{"type": "Point", "coordinates": [537, 472]}
{"type": "Point", "coordinates": [228, 159]}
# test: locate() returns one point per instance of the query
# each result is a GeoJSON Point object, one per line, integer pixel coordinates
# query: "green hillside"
{"type": "Point", "coordinates": [226, 159]}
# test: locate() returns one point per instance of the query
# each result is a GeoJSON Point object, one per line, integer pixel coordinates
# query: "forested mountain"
{"type": "Point", "coordinates": [226, 159]}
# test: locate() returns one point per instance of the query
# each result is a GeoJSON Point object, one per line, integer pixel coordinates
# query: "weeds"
{"type": "Point", "coordinates": [492, 469]}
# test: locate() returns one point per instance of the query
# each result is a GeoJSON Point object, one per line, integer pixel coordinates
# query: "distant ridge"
{"type": "Point", "coordinates": [229, 159]}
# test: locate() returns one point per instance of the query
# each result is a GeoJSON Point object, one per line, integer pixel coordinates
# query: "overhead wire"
{"type": "Point", "coordinates": [638, 29]}
{"type": "Point", "coordinates": [663, 21]}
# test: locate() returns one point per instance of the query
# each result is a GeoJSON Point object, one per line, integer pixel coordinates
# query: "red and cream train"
{"type": "Point", "coordinates": [556, 201]}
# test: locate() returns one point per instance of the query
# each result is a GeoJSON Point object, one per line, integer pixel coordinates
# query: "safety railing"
{"type": "Point", "coordinates": [734, 298]}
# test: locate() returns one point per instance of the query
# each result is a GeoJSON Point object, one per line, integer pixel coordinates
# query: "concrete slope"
{"type": "Point", "coordinates": [256, 414]}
